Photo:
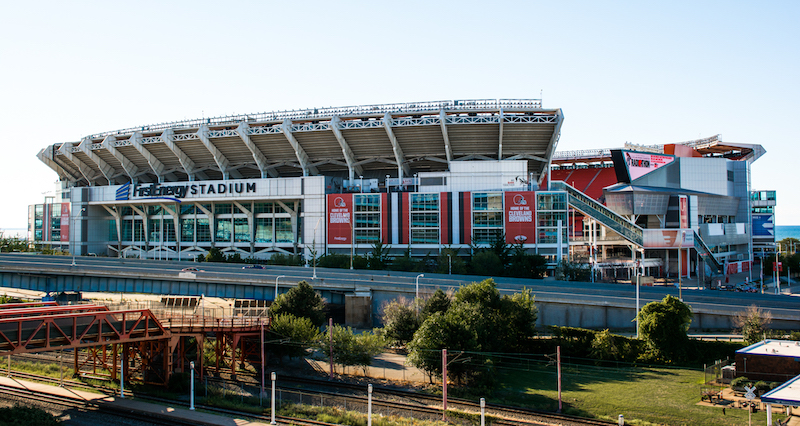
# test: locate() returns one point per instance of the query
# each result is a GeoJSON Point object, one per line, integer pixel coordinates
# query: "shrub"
{"type": "Point", "coordinates": [740, 382]}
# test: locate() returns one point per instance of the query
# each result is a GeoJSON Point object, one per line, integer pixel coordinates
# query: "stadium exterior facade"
{"type": "Point", "coordinates": [417, 176]}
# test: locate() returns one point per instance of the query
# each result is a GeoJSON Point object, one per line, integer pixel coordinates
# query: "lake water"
{"type": "Point", "coordinates": [782, 232]}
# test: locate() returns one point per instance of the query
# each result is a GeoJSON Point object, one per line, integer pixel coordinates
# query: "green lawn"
{"type": "Point", "coordinates": [645, 396]}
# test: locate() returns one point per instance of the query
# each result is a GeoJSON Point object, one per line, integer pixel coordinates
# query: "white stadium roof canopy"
{"type": "Point", "coordinates": [371, 140]}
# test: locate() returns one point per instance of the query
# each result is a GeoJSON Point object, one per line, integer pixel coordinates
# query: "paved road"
{"type": "Point", "coordinates": [785, 306]}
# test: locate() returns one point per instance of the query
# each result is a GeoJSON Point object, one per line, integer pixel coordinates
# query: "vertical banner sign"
{"type": "Point", "coordinates": [518, 214]}
{"type": "Point", "coordinates": [340, 218]}
{"type": "Point", "coordinates": [684, 206]}
{"type": "Point", "coordinates": [64, 222]}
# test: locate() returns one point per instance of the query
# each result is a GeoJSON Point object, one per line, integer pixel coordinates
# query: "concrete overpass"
{"type": "Point", "coordinates": [364, 292]}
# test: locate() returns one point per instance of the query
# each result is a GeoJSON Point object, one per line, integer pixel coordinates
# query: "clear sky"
{"type": "Point", "coordinates": [642, 72]}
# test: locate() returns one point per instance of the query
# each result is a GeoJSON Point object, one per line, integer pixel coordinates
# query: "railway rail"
{"type": "Point", "coordinates": [386, 401]}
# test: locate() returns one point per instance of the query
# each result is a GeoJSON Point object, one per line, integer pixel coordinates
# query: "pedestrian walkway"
{"type": "Point", "coordinates": [147, 409]}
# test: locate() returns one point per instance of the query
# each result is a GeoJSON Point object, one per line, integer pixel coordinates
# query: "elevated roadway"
{"type": "Point", "coordinates": [579, 304]}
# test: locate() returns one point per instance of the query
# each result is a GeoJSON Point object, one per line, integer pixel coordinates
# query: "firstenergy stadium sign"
{"type": "Point", "coordinates": [177, 192]}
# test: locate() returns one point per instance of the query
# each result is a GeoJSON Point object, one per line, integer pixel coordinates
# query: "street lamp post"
{"type": "Point", "coordinates": [449, 264]}
{"type": "Point", "coordinates": [276, 284]}
{"type": "Point", "coordinates": [274, 377]}
{"type": "Point", "coordinates": [417, 292]}
{"type": "Point", "coordinates": [191, 388]}
{"type": "Point", "coordinates": [72, 232]}
{"type": "Point", "coordinates": [680, 266]}
{"type": "Point", "coordinates": [313, 277]}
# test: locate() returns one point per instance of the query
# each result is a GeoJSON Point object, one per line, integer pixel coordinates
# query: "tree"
{"type": "Point", "coordinates": [354, 349]}
{"type": "Point", "coordinates": [664, 326]}
{"type": "Point", "coordinates": [570, 271]}
{"type": "Point", "coordinates": [477, 320]}
{"type": "Point", "coordinates": [379, 256]}
{"type": "Point", "coordinates": [752, 323]}
{"type": "Point", "coordinates": [525, 265]}
{"type": "Point", "coordinates": [404, 263]}
{"type": "Point", "coordinates": [400, 320]}
{"type": "Point", "coordinates": [301, 301]}
{"type": "Point", "coordinates": [448, 261]}
{"type": "Point", "coordinates": [438, 302]}
{"type": "Point", "coordinates": [215, 255]}
{"type": "Point", "coordinates": [487, 263]}
{"type": "Point", "coordinates": [291, 336]}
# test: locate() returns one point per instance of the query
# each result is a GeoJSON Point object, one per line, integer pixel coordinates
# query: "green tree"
{"type": "Point", "coordinates": [378, 258]}
{"type": "Point", "coordinates": [525, 265]}
{"type": "Point", "coordinates": [12, 244]}
{"type": "Point", "coordinates": [487, 263]}
{"type": "Point", "coordinates": [400, 320]}
{"type": "Point", "coordinates": [301, 301]}
{"type": "Point", "coordinates": [404, 262]}
{"type": "Point", "coordinates": [291, 336]}
{"type": "Point", "coordinates": [215, 255]}
{"type": "Point", "coordinates": [438, 302]}
{"type": "Point", "coordinates": [570, 271]}
{"type": "Point", "coordinates": [477, 320]}
{"type": "Point", "coordinates": [449, 262]}
{"type": "Point", "coordinates": [605, 347]}
{"type": "Point", "coordinates": [752, 323]}
{"type": "Point", "coordinates": [664, 326]}
{"type": "Point", "coordinates": [352, 349]}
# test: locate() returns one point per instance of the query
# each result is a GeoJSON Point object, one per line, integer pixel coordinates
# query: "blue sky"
{"type": "Point", "coordinates": [642, 72]}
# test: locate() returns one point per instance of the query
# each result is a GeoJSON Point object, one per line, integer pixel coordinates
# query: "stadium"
{"type": "Point", "coordinates": [415, 177]}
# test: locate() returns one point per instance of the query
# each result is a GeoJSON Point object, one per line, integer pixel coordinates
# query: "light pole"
{"type": "Point", "coordinates": [274, 377]}
{"type": "Point", "coordinates": [369, 405]}
{"type": "Point", "coordinates": [417, 292]}
{"type": "Point", "coordinates": [191, 388]}
{"type": "Point", "coordinates": [680, 269]}
{"type": "Point", "coordinates": [449, 264]}
{"type": "Point", "coordinates": [636, 272]}
{"type": "Point", "coordinates": [276, 285]}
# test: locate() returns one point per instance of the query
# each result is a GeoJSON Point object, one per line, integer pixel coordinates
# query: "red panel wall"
{"type": "Point", "coordinates": [519, 217]}
{"type": "Point", "coordinates": [340, 217]}
{"type": "Point", "coordinates": [444, 218]}
{"type": "Point", "coordinates": [385, 225]}
{"type": "Point", "coordinates": [64, 222]}
{"type": "Point", "coordinates": [405, 231]}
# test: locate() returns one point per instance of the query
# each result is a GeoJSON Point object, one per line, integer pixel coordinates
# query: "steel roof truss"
{"type": "Point", "coordinates": [261, 161]}
{"type": "Point", "coordinates": [443, 122]}
{"type": "Point", "coordinates": [86, 147]}
{"type": "Point", "coordinates": [188, 165]}
{"type": "Point", "coordinates": [219, 158]}
{"type": "Point", "coordinates": [299, 152]}
{"type": "Point", "coordinates": [109, 143]}
{"type": "Point", "coordinates": [66, 151]}
{"type": "Point", "coordinates": [352, 169]}
{"type": "Point", "coordinates": [402, 167]}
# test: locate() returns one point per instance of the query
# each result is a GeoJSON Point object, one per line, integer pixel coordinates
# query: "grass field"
{"type": "Point", "coordinates": [645, 396]}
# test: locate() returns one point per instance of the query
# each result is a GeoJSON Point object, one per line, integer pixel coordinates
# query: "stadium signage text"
{"type": "Point", "coordinates": [182, 191]}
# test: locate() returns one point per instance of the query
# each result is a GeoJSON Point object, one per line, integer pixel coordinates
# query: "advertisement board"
{"type": "Point", "coordinates": [637, 164]}
{"type": "Point", "coordinates": [519, 217]}
{"type": "Point", "coordinates": [340, 218]}
{"type": "Point", "coordinates": [684, 210]}
{"type": "Point", "coordinates": [668, 238]}
{"type": "Point", "coordinates": [64, 222]}
{"type": "Point", "coordinates": [763, 225]}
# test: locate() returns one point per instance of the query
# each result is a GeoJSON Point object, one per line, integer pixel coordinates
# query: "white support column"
{"type": "Point", "coordinates": [244, 132]}
{"type": "Point", "coordinates": [118, 221]}
{"type": "Point", "coordinates": [130, 169]}
{"type": "Point", "coordinates": [186, 162]}
{"type": "Point", "coordinates": [299, 152]}
{"type": "Point", "coordinates": [155, 164]}
{"type": "Point", "coordinates": [402, 167]}
{"type": "Point", "coordinates": [86, 171]}
{"type": "Point", "coordinates": [352, 167]}
{"type": "Point", "coordinates": [251, 222]}
{"type": "Point", "coordinates": [447, 149]}
{"type": "Point", "coordinates": [46, 156]}
{"type": "Point", "coordinates": [500, 139]}
{"type": "Point", "coordinates": [105, 168]}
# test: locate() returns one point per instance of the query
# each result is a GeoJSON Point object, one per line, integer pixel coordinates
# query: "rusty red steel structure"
{"type": "Point", "coordinates": [27, 305]}
{"type": "Point", "coordinates": [152, 347]}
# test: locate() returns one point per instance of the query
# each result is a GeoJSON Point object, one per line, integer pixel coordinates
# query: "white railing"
{"type": "Point", "coordinates": [328, 112]}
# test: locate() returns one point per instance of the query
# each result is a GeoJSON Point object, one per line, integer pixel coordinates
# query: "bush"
{"type": "Point", "coordinates": [740, 382]}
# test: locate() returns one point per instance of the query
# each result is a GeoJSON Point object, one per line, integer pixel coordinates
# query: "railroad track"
{"type": "Point", "coordinates": [399, 402]}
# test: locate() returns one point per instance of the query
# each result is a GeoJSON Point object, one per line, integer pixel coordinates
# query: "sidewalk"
{"type": "Point", "coordinates": [146, 409]}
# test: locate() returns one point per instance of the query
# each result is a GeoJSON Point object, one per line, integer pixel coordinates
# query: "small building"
{"type": "Point", "coordinates": [769, 360]}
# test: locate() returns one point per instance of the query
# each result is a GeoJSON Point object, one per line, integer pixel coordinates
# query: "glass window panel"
{"type": "Point", "coordinates": [425, 236]}
{"type": "Point", "coordinates": [169, 230]}
{"type": "Point", "coordinates": [264, 230]}
{"type": "Point", "coordinates": [423, 202]}
{"type": "Point", "coordinates": [223, 230]}
{"type": "Point", "coordinates": [486, 236]}
{"type": "Point", "coordinates": [138, 230]}
{"type": "Point", "coordinates": [112, 231]}
{"type": "Point", "coordinates": [154, 227]}
{"type": "Point", "coordinates": [187, 208]}
{"type": "Point", "coordinates": [222, 208]}
{"type": "Point", "coordinates": [203, 230]}
{"type": "Point", "coordinates": [262, 208]}
{"type": "Point", "coordinates": [187, 229]}
{"type": "Point", "coordinates": [127, 230]}
{"type": "Point", "coordinates": [241, 230]}
{"type": "Point", "coordinates": [283, 230]}
{"type": "Point", "coordinates": [367, 203]}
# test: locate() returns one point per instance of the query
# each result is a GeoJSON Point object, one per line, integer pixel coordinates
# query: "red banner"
{"type": "Point", "coordinates": [519, 217]}
{"type": "Point", "coordinates": [340, 218]}
{"type": "Point", "coordinates": [64, 222]}
{"type": "Point", "coordinates": [684, 205]}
